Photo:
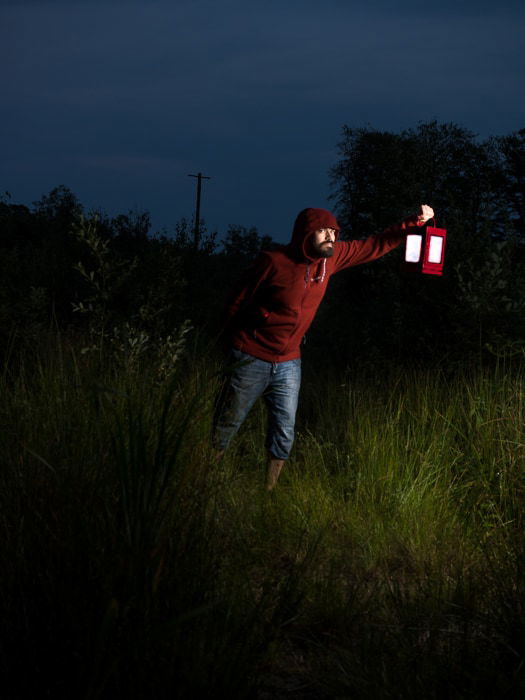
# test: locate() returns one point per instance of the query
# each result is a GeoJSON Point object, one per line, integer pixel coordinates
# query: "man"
{"type": "Point", "coordinates": [269, 314]}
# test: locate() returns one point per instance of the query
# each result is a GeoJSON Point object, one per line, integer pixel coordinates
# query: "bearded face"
{"type": "Point", "coordinates": [322, 242]}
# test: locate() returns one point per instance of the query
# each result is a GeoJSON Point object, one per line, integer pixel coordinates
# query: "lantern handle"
{"type": "Point", "coordinates": [433, 218]}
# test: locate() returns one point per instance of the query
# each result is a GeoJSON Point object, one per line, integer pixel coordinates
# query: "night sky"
{"type": "Point", "coordinates": [121, 100]}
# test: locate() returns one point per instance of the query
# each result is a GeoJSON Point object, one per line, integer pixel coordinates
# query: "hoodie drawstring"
{"type": "Point", "coordinates": [323, 273]}
{"type": "Point", "coordinates": [320, 277]}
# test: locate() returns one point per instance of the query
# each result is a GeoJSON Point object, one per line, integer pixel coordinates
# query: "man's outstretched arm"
{"type": "Point", "coordinates": [350, 253]}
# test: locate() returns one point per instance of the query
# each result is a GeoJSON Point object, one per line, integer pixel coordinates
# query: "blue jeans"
{"type": "Point", "coordinates": [277, 382]}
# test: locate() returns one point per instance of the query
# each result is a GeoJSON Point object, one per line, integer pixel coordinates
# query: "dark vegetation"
{"type": "Point", "coordinates": [156, 281]}
{"type": "Point", "coordinates": [388, 564]}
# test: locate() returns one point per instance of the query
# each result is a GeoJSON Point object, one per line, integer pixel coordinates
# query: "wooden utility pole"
{"type": "Point", "coordinates": [197, 226]}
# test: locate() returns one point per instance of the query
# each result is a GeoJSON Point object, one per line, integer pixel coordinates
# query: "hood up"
{"type": "Point", "coordinates": [308, 221]}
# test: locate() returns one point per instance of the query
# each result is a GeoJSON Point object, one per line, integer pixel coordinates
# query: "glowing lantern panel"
{"type": "Point", "coordinates": [425, 250]}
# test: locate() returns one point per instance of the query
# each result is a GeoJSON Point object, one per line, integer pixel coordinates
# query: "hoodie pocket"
{"type": "Point", "coordinates": [260, 319]}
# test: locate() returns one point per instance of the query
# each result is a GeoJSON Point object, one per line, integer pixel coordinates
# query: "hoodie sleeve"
{"type": "Point", "coordinates": [351, 253]}
{"type": "Point", "coordinates": [244, 292]}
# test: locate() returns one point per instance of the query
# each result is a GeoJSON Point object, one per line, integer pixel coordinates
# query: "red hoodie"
{"type": "Point", "coordinates": [273, 307]}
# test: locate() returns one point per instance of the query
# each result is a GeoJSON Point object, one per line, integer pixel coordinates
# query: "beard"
{"type": "Point", "coordinates": [319, 250]}
{"type": "Point", "coordinates": [325, 250]}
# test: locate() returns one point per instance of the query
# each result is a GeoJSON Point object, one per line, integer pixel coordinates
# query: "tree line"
{"type": "Point", "coordinates": [95, 276]}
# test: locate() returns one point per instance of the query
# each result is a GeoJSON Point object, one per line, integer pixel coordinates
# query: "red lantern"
{"type": "Point", "coordinates": [425, 250]}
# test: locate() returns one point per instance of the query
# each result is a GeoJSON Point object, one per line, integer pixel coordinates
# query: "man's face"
{"type": "Point", "coordinates": [323, 242]}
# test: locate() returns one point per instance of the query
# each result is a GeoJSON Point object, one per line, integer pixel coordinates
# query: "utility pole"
{"type": "Point", "coordinates": [197, 226]}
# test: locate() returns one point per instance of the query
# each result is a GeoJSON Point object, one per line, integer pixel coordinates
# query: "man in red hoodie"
{"type": "Point", "coordinates": [269, 314]}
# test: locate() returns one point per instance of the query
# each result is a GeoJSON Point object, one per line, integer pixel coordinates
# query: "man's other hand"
{"type": "Point", "coordinates": [425, 214]}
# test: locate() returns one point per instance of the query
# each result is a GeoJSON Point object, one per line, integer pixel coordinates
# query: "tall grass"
{"type": "Point", "coordinates": [387, 563]}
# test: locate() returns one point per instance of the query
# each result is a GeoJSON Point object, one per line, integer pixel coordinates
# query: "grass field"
{"type": "Point", "coordinates": [388, 562]}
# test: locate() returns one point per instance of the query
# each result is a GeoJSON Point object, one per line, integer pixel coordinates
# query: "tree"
{"type": "Point", "coordinates": [369, 188]}
{"type": "Point", "coordinates": [131, 226]}
{"type": "Point", "coordinates": [244, 244]}
{"type": "Point", "coordinates": [381, 177]}
{"type": "Point", "coordinates": [60, 205]}
{"type": "Point", "coordinates": [477, 190]}
{"type": "Point", "coordinates": [510, 152]}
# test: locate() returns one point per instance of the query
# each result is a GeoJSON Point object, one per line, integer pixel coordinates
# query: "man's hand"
{"type": "Point", "coordinates": [425, 214]}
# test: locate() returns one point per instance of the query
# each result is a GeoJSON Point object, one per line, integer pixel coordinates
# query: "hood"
{"type": "Point", "coordinates": [307, 222]}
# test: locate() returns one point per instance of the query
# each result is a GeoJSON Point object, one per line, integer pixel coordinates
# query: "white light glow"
{"type": "Point", "coordinates": [413, 248]}
{"type": "Point", "coordinates": [435, 250]}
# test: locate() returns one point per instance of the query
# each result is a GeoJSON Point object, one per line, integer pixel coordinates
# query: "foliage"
{"type": "Point", "coordinates": [83, 272]}
{"type": "Point", "coordinates": [244, 244]}
{"type": "Point", "coordinates": [103, 279]}
{"type": "Point", "coordinates": [510, 155]}
{"type": "Point", "coordinates": [387, 563]}
{"type": "Point", "coordinates": [475, 190]}
{"type": "Point", "coordinates": [389, 560]}
{"type": "Point", "coordinates": [381, 177]}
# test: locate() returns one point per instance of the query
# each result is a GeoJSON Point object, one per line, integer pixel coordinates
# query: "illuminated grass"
{"type": "Point", "coordinates": [388, 562]}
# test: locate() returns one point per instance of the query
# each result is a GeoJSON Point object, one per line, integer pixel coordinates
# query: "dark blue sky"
{"type": "Point", "coordinates": [121, 99]}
